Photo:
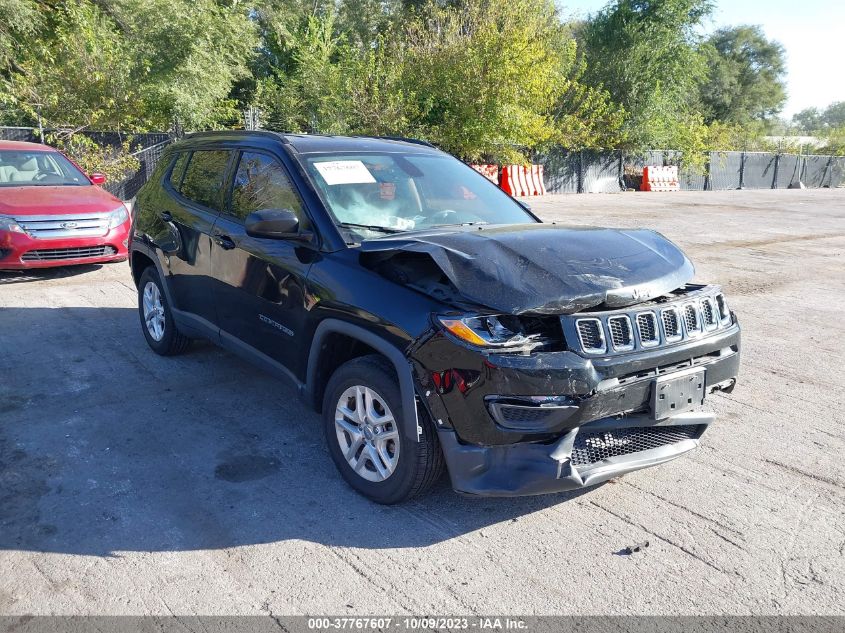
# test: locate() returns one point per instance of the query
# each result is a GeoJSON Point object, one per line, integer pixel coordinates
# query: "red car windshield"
{"type": "Point", "coordinates": [20, 168]}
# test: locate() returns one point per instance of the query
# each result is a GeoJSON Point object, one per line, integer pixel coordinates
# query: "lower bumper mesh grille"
{"type": "Point", "coordinates": [595, 446]}
{"type": "Point", "coordinates": [48, 254]}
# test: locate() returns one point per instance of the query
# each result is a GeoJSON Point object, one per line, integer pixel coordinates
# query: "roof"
{"type": "Point", "coordinates": [307, 143]}
{"type": "Point", "coordinates": [314, 143]}
{"type": "Point", "coordinates": [28, 147]}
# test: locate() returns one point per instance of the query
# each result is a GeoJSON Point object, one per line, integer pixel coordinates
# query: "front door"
{"type": "Point", "coordinates": [259, 282]}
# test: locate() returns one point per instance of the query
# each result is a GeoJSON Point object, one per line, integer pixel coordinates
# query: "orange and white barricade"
{"type": "Point", "coordinates": [490, 172]}
{"type": "Point", "coordinates": [510, 182]}
{"type": "Point", "coordinates": [535, 178]}
{"type": "Point", "coordinates": [658, 178]}
{"type": "Point", "coordinates": [523, 180]}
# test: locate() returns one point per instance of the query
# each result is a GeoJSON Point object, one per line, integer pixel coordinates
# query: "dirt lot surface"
{"type": "Point", "coordinates": [134, 484]}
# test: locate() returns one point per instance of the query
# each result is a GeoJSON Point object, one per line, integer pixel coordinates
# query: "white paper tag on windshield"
{"type": "Point", "coordinates": [344, 172]}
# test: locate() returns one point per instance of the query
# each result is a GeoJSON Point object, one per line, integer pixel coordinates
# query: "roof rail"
{"type": "Point", "coordinates": [283, 136]}
{"type": "Point", "coordinates": [407, 139]}
{"type": "Point", "coordinates": [270, 133]}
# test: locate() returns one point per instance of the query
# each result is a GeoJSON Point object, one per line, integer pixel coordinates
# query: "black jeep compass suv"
{"type": "Point", "coordinates": [431, 318]}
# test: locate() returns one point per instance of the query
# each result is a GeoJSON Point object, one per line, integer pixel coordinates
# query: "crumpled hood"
{"type": "Point", "coordinates": [546, 268]}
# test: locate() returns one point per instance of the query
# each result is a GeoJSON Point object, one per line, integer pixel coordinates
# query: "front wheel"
{"type": "Point", "coordinates": [369, 444]}
{"type": "Point", "coordinates": [156, 317]}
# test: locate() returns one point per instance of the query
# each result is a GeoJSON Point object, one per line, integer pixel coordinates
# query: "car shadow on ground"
{"type": "Point", "coordinates": [106, 447]}
{"type": "Point", "coordinates": [8, 277]}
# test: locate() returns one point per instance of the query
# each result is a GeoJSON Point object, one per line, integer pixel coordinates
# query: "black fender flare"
{"type": "Point", "coordinates": [144, 249]}
{"type": "Point", "coordinates": [391, 352]}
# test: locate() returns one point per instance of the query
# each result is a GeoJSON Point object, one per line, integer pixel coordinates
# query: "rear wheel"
{"type": "Point", "coordinates": [369, 444]}
{"type": "Point", "coordinates": [156, 318]}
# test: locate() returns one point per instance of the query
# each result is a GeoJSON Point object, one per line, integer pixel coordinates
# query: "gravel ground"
{"type": "Point", "coordinates": [134, 484]}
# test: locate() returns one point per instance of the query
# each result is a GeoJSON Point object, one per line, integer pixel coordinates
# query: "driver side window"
{"type": "Point", "coordinates": [262, 183]}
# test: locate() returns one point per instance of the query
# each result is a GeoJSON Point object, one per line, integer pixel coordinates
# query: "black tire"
{"type": "Point", "coordinates": [420, 463]}
{"type": "Point", "coordinates": [173, 341]}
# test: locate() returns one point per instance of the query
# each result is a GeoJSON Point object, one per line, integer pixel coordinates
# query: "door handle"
{"type": "Point", "coordinates": [223, 241]}
{"type": "Point", "coordinates": [166, 216]}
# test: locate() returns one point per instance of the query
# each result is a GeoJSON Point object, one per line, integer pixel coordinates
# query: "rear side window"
{"type": "Point", "coordinates": [261, 182]}
{"type": "Point", "coordinates": [204, 177]}
{"type": "Point", "coordinates": [178, 170]}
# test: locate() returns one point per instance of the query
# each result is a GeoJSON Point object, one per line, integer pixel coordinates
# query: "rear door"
{"type": "Point", "coordinates": [199, 193]}
{"type": "Point", "coordinates": [260, 283]}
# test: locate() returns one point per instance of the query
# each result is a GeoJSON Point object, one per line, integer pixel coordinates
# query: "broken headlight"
{"type": "Point", "coordinates": [505, 333]}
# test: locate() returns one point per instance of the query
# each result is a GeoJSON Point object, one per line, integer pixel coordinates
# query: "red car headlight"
{"type": "Point", "coordinates": [118, 217]}
{"type": "Point", "coordinates": [9, 224]}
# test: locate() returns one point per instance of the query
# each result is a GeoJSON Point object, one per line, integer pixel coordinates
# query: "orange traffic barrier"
{"type": "Point", "coordinates": [538, 186]}
{"type": "Point", "coordinates": [658, 178]}
{"type": "Point", "coordinates": [509, 181]}
{"type": "Point", "coordinates": [491, 172]}
{"type": "Point", "coordinates": [523, 180]}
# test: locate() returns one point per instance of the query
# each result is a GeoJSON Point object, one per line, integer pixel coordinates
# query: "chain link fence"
{"type": "Point", "coordinates": [113, 139]}
{"type": "Point", "coordinates": [146, 147]}
{"type": "Point", "coordinates": [586, 171]}
{"type": "Point", "coordinates": [595, 172]}
{"type": "Point", "coordinates": [613, 171]}
{"type": "Point", "coordinates": [148, 157]}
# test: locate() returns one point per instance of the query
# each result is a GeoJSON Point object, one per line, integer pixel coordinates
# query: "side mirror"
{"type": "Point", "coordinates": [97, 178]}
{"type": "Point", "coordinates": [272, 224]}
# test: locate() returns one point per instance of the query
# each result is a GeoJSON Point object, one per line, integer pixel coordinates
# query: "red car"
{"type": "Point", "coordinates": [53, 214]}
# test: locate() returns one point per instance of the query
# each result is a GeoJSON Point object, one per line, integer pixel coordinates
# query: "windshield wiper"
{"type": "Point", "coordinates": [463, 224]}
{"type": "Point", "coordinates": [370, 227]}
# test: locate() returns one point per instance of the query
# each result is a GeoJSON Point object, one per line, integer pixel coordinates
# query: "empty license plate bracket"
{"type": "Point", "coordinates": [677, 393]}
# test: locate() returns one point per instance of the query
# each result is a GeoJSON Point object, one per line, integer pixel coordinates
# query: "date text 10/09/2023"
{"type": "Point", "coordinates": [411, 623]}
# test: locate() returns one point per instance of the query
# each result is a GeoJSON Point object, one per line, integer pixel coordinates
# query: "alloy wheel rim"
{"type": "Point", "coordinates": [153, 311]}
{"type": "Point", "coordinates": [367, 433]}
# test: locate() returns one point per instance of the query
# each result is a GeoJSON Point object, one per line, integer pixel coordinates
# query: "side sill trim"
{"type": "Point", "coordinates": [198, 326]}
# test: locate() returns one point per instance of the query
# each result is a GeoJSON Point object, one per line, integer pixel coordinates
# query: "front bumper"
{"type": "Point", "coordinates": [19, 251]}
{"type": "Point", "coordinates": [606, 398]}
{"type": "Point", "coordinates": [532, 469]}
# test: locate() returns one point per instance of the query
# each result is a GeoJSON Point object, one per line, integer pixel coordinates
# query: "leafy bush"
{"type": "Point", "coordinates": [116, 163]}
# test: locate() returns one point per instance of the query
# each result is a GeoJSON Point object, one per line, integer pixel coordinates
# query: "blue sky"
{"type": "Point", "coordinates": [811, 31]}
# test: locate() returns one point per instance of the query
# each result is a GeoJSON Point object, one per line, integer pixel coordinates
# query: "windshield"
{"type": "Point", "coordinates": [372, 193]}
{"type": "Point", "coordinates": [20, 168]}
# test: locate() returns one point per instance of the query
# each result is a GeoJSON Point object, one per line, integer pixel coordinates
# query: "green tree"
{"type": "Point", "coordinates": [746, 78]}
{"type": "Point", "coordinates": [834, 142]}
{"type": "Point", "coordinates": [834, 115]}
{"type": "Point", "coordinates": [645, 53]}
{"type": "Point", "coordinates": [808, 120]}
{"type": "Point", "coordinates": [365, 21]}
{"type": "Point", "coordinates": [19, 20]}
{"type": "Point", "coordinates": [187, 56]}
{"type": "Point", "coordinates": [115, 162]}
{"type": "Point", "coordinates": [308, 90]}
{"type": "Point", "coordinates": [490, 79]}
{"type": "Point", "coordinates": [76, 71]}
{"type": "Point", "coordinates": [815, 121]}
{"type": "Point", "coordinates": [131, 63]}
{"type": "Point", "coordinates": [479, 79]}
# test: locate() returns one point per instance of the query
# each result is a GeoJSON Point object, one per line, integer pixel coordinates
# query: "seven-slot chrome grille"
{"type": "Point", "coordinates": [691, 312]}
{"type": "Point", "coordinates": [63, 226]}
